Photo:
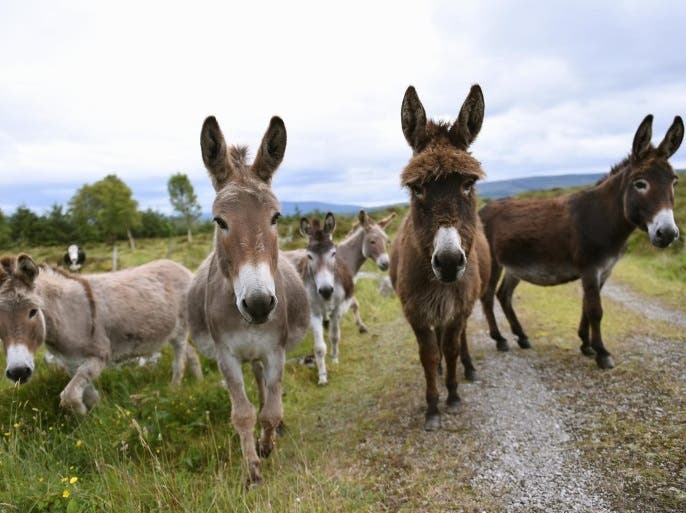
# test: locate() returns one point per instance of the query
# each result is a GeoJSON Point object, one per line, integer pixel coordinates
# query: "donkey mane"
{"type": "Point", "coordinates": [616, 169]}
{"type": "Point", "coordinates": [440, 158]}
{"type": "Point", "coordinates": [238, 154]}
{"type": "Point", "coordinates": [80, 280]}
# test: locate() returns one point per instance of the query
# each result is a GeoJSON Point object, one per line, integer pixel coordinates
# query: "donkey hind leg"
{"type": "Point", "coordinates": [335, 334]}
{"type": "Point", "coordinates": [319, 348]}
{"type": "Point", "coordinates": [583, 332]}
{"type": "Point", "coordinates": [355, 307]}
{"type": "Point", "coordinates": [487, 303]}
{"type": "Point", "coordinates": [451, 350]}
{"type": "Point", "coordinates": [429, 356]}
{"type": "Point", "coordinates": [72, 397]}
{"type": "Point", "coordinates": [504, 294]}
{"type": "Point", "coordinates": [243, 416]}
{"type": "Point", "coordinates": [593, 309]}
{"type": "Point", "coordinates": [192, 360]}
{"type": "Point", "coordinates": [271, 413]}
{"type": "Point", "coordinates": [179, 343]}
{"type": "Point", "coordinates": [465, 357]}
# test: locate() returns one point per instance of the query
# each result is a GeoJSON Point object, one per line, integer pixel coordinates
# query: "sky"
{"type": "Point", "coordinates": [88, 89]}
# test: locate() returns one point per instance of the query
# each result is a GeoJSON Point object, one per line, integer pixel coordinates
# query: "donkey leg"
{"type": "Point", "coordinates": [90, 396]}
{"type": "Point", "coordinates": [439, 340]}
{"type": "Point", "coordinates": [583, 333]}
{"type": "Point", "coordinates": [193, 361]}
{"type": "Point", "coordinates": [72, 397]}
{"type": "Point", "coordinates": [319, 347]}
{"type": "Point", "coordinates": [335, 334]}
{"type": "Point", "coordinates": [593, 309]}
{"type": "Point", "coordinates": [178, 342]}
{"type": "Point", "coordinates": [505, 292]}
{"type": "Point", "coordinates": [487, 303]}
{"type": "Point", "coordinates": [258, 372]}
{"type": "Point", "coordinates": [355, 307]}
{"type": "Point", "coordinates": [451, 350]}
{"type": "Point", "coordinates": [465, 357]}
{"type": "Point", "coordinates": [429, 356]}
{"type": "Point", "coordinates": [271, 414]}
{"type": "Point", "coordinates": [243, 416]}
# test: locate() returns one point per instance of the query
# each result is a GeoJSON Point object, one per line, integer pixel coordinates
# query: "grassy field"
{"type": "Point", "coordinates": [150, 447]}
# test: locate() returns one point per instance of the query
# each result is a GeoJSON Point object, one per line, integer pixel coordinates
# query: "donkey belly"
{"type": "Point", "coordinates": [544, 273]}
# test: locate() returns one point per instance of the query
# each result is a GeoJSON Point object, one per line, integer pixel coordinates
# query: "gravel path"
{"type": "Point", "coordinates": [647, 308]}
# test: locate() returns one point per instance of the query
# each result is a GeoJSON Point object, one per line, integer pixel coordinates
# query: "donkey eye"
{"type": "Point", "coordinates": [276, 217]}
{"type": "Point", "coordinates": [221, 223]}
{"type": "Point", "coordinates": [309, 256]}
{"type": "Point", "coordinates": [417, 191]}
{"type": "Point", "coordinates": [333, 254]}
{"type": "Point", "coordinates": [372, 242]}
{"type": "Point", "coordinates": [468, 186]}
{"type": "Point", "coordinates": [33, 313]}
{"type": "Point", "coordinates": [641, 185]}
{"type": "Point", "coordinates": [675, 183]}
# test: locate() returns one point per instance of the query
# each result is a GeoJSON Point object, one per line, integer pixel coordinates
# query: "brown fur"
{"type": "Point", "coordinates": [581, 235]}
{"type": "Point", "coordinates": [440, 175]}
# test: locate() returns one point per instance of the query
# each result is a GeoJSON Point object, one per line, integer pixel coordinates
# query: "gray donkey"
{"type": "Point", "coordinates": [88, 321]}
{"type": "Point", "coordinates": [247, 303]}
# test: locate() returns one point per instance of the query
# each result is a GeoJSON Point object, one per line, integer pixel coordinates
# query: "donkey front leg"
{"type": "Point", "coordinates": [271, 413]}
{"type": "Point", "coordinates": [355, 307]}
{"type": "Point", "coordinates": [335, 334]}
{"type": "Point", "coordinates": [242, 413]}
{"type": "Point", "coordinates": [450, 345]}
{"type": "Point", "coordinates": [593, 310]}
{"type": "Point", "coordinates": [429, 356]}
{"type": "Point", "coordinates": [79, 388]}
{"type": "Point", "coordinates": [319, 347]}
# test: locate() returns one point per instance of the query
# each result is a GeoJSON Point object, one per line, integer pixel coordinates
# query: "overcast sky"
{"type": "Point", "coordinates": [87, 90]}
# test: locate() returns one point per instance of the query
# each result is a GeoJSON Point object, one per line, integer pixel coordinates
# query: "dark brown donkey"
{"type": "Point", "coordinates": [582, 235]}
{"type": "Point", "coordinates": [439, 261]}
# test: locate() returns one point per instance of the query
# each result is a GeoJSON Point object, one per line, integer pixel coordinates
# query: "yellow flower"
{"type": "Point", "coordinates": [79, 443]}
{"type": "Point", "coordinates": [16, 425]}
{"type": "Point", "coordinates": [66, 494]}
{"type": "Point", "coordinates": [65, 479]}
{"type": "Point", "coordinates": [73, 480]}
{"type": "Point", "coordinates": [7, 433]}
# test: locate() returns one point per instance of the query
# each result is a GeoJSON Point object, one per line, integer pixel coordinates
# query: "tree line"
{"type": "Point", "coordinates": [104, 211]}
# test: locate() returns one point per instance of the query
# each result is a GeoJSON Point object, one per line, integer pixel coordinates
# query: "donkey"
{"type": "Point", "coordinates": [89, 321]}
{"type": "Point", "coordinates": [582, 235]}
{"type": "Point", "coordinates": [247, 302]}
{"type": "Point", "coordinates": [440, 262]}
{"type": "Point", "coordinates": [329, 286]}
{"type": "Point", "coordinates": [366, 240]}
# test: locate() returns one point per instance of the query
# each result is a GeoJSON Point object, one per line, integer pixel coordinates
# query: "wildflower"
{"type": "Point", "coordinates": [73, 480]}
{"type": "Point", "coordinates": [66, 494]}
{"type": "Point", "coordinates": [65, 479]}
{"type": "Point", "coordinates": [79, 443]}
{"type": "Point", "coordinates": [7, 433]}
{"type": "Point", "coordinates": [16, 425]}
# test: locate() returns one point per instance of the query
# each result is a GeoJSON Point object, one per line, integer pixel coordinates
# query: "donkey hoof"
{"type": "Point", "coordinates": [502, 345]}
{"type": "Point", "coordinates": [587, 350]}
{"type": "Point", "coordinates": [73, 406]}
{"type": "Point", "coordinates": [524, 343]}
{"type": "Point", "coordinates": [432, 422]}
{"type": "Point", "coordinates": [281, 429]}
{"type": "Point", "coordinates": [323, 380]}
{"type": "Point", "coordinates": [264, 450]}
{"type": "Point", "coordinates": [453, 406]}
{"type": "Point", "coordinates": [605, 361]}
{"type": "Point", "coordinates": [363, 329]}
{"type": "Point", "coordinates": [334, 360]}
{"type": "Point", "coordinates": [470, 374]}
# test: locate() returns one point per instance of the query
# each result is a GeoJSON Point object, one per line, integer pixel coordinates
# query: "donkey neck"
{"type": "Point", "coordinates": [350, 250]}
{"type": "Point", "coordinates": [601, 211]}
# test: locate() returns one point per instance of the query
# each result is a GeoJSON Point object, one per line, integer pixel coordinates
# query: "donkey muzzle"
{"type": "Point", "coordinates": [259, 305]}
{"type": "Point", "coordinates": [448, 266]}
{"type": "Point", "coordinates": [382, 262]}
{"type": "Point", "coordinates": [662, 230]}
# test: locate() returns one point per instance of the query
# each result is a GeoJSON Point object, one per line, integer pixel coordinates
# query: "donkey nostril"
{"type": "Point", "coordinates": [461, 260]}
{"type": "Point", "coordinates": [658, 233]}
{"type": "Point", "coordinates": [245, 304]}
{"type": "Point", "coordinates": [272, 302]}
{"type": "Point", "coordinates": [436, 262]}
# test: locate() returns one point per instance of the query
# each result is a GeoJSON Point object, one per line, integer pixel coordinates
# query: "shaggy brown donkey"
{"type": "Point", "coordinates": [582, 235]}
{"type": "Point", "coordinates": [439, 261]}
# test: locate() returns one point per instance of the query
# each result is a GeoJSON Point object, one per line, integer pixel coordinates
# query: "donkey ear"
{"type": "Point", "coordinates": [213, 147]}
{"type": "Point", "coordinates": [363, 218]}
{"type": "Point", "coordinates": [673, 139]}
{"type": "Point", "coordinates": [329, 223]}
{"type": "Point", "coordinates": [27, 270]}
{"type": "Point", "coordinates": [305, 227]}
{"type": "Point", "coordinates": [384, 222]}
{"type": "Point", "coordinates": [643, 136]}
{"type": "Point", "coordinates": [271, 151]}
{"type": "Point", "coordinates": [469, 120]}
{"type": "Point", "coordinates": [413, 120]}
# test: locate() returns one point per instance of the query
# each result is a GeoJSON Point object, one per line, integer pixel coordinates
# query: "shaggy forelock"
{"type": "Point", "coordinates": [437, 162]}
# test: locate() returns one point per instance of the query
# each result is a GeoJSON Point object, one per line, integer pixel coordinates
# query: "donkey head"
{"type": "Point", "coordinates": [441, 175]}
{"type": "Point", "coordinates": [375, 238]}
{"type": "Point", "coordinates": [321, 253]}
{"type": "Point", "coordinates": [22, 324]}
{"type": "Point", "coordinates": [246, 212]}
{"type": "Point", "coordinates": [649, 183]}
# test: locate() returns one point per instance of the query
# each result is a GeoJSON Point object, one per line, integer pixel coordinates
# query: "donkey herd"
{"type": "Point", "coordinates": [251, 302]}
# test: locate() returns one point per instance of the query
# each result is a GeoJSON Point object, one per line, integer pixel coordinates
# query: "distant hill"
{"type": "Point", "coordinates": [504, 188]}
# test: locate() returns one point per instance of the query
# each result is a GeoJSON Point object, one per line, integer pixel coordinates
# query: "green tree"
{"type": "Point", "coordinates": [23, 225]}
{"type": "Point", "coordinates": [4, 230]}
{"type": "Point", "coordinates": [105, 209]}
{"type": "Point", "coordinates": [184, 200]}
{"type": "Point", "coordinates": [154, 224]}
